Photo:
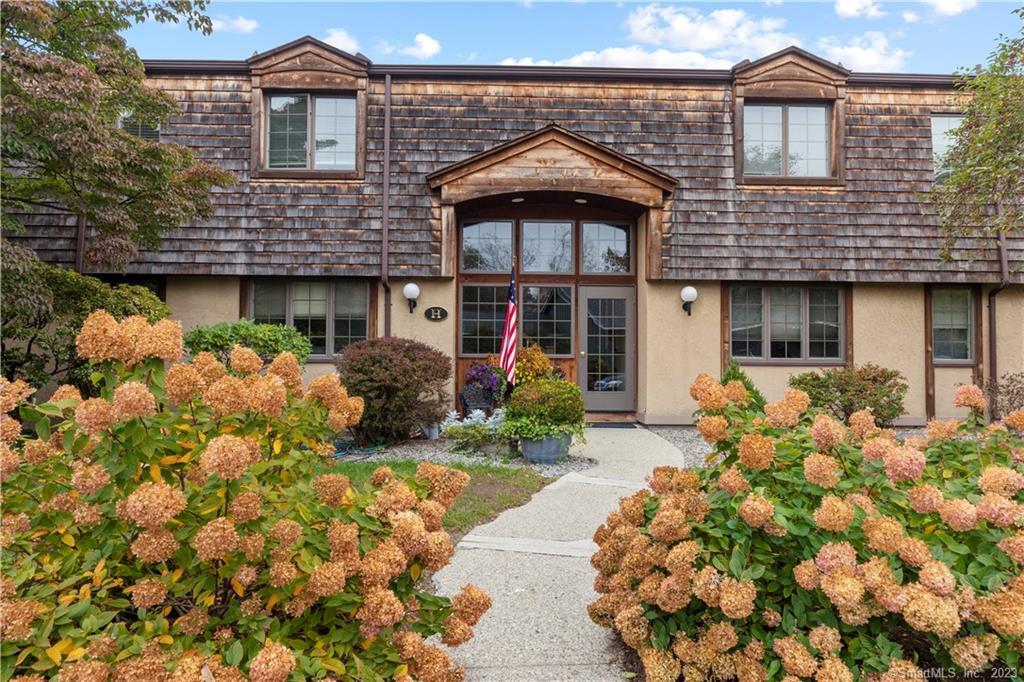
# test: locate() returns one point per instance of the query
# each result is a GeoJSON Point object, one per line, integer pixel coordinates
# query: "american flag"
{"type": "Point", "coordinates": [510, 335]}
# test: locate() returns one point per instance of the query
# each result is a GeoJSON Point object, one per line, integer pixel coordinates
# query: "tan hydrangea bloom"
{"type": "Point", "coordinates": [66, 392]}
{"type": "Point", "coordinates": [380, 609]}
{"type": "Point", "coordinates": [285, 532]}
{"type": "Point", "coordinates": [246, 507]}
{"type": "Point", "coordinates": [974, 652]}
{"type": "Point", "coordinates": [164, 340]}
{"type": "Point", "coordinates": [88, 479]}
{"type": "Point", "coordinates": [13, 393]}
{"type": "Point", "coordinates": [1001, 480]}
{"type": "Point", "coordinates": [328, 579]}
{"type": "Point", "coordinates": [970, 396]}
{"type": "Point", "coordinates": [331, 489]}
{"type": "Point", "coordinates": [251, 546]}
{"type": "Point", "coordinates": [1015, 420]}
{"type": "Point", "coordinates": [928, 612]}
{"type": "Point", "coordinates": [95, 415]}
{"type": "Point", "coordinates": [883, 533]}
{"type": "Point", "coordinates": [245, 360]}
{"type": "Point", "coordinates": [193, 623]}
{"type": "Point", "coordinates": [736, 597]}
{"type": "Point", "coordinates": [825, 639]}
{"type": "Point", "coordinates": [274, 663]}
{"type": "Point", "coordinates": [445, 484]}
{"type": "Point", "coordinates": [148, 593]}
{"type": "Point", "coordinates": [409, 533]}
{"type": "Point", "coordinates": [806, 574]}
{"type": "Point", "coordinates": [833, 514]}
{"type": "Point", "coordinates": [669, 525]}
{"type": "Point", "coordinates": [901, 671]}
{"type": "Point", "coordinates": [821, 470]}
{"type": "Point", "coordinates": [99, 337]}
{"type": "Point", "coordinates": [216, 540]}
{"type": "Point", "coordinates": [1014, 547]}
{"type": "Point", "coordinates": [925, 498]}
{"type": "Point", "coordinates": [835, 556]}
{"type": "Point", "coordinates": [133, 399]}
{"type": "Point", "coordinates": [862, 423]}
{"type": "Point", "coordinates": [938, 429]}
{"type": "Point", "coordinates": [209, 367]}
{"type": "Point", "coordinates": [282, 573]}
{"type": "Point", "coordinates": [439, 550]}
{"type": "Point", "coordinates": [827, 432]}
{"type": "Point", "coordinates": [456, 631]}
{"type": "Point", "coordinates": [756, 510]}
{"type": "Point", "coordinates": [230, 456]}
{"type": "Point", "coordinates": [131, 340]}
{"type": "Point", "coordinates": [286, 367]}
{"type": "Point", "coordinates": [154, 546]}
{"type": "Point", "coordinates": [713, 428]}
{"type": "Point", "coordinates": [733, 481]}
{"type": "Point", "coordinates": [1004, 611]}
{"type": "Point", "coordinates": [38, 451]}
{"type": "Point", "coordinates": [152, 505]}
{"type": "Point", "coordinates": [958, 514]}
{"type": "Point", "coordinates": [266, 394]}
{"type": "Point", "coordinates": [795, 658]}
{"type": "Point", "coordinates": [832, 669]}
{"type": "Point", "coordinates": [226, 395]}
{"type": "Point", "coordinates": [327, 390]}
{"type": "Point", "coordinates": [183, 383]}
{"type": "Point", "coordinates": [756, 451]}
{"type": "Point", "coordinates": [914, 551]}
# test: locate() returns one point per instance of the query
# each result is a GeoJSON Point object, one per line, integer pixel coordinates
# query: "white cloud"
{"type": "Point", "coordinates": [869, 9]}
{"type": "Point", "coordinates": [951, 8]}
{"type": "Point", "coordinates": [423, 47]}
{"type": "Point", "coordinates": [870, 51]}
{"type": "Point", "coordinates": [772, 3]}
{"type": "Point", "coordinates": [239, 24]}
{"type": "Point", "coordinates": [632, 56]}
{"type": "Point", "coordinates": [725, 33]}
{"type": "Point", "coordinates": [911, 17]}
{"type": "Point", "coordinates": [342, 39]}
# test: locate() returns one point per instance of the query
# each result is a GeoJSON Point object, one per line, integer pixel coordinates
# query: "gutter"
{"type": "Point", "coordinates": [385, 209]}
{"type": "Point", "coordinates": [1004, 281]}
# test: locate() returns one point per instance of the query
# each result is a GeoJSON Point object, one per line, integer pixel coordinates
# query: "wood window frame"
{"type": "Point", "coordinates": [461, 300]}
{"type": "Point", "coordinates": [573, 321]}
{"type": "Point", "coordinates": [261, 131]}
{"type": "Point", "coordinates": [836, 142]}
{"type": "Point", "coordinates": [249, 303]}
{"type": "Point", "coordinates": [973, 331]}
{"type": "Point", "coordinates": [845, 331]}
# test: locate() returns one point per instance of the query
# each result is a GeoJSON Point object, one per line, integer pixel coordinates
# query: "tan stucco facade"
{"type": "Point", "coordinates": [673, 347]}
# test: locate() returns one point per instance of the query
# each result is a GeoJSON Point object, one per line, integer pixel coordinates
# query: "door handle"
{"type": "Point", "coordinates": [583, 352]}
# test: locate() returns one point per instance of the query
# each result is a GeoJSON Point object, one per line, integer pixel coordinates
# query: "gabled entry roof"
{"type": "Point", "coordinates": [553, 158]}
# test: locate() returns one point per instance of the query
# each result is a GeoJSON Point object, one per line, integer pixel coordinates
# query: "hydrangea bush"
{"type": "Point", "coordinates": [186, 525]}
{"type": "Point", "coordinates": [817, 549]}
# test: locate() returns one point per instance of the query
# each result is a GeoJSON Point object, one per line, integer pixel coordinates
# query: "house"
{"type": "Point", "coordinates": [788, 192]}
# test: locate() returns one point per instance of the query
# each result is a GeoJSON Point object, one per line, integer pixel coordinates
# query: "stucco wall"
{"type": "Point", "coordinates": [888, 330]}
{"type": "Point", "coordinates": [200, 301]}
{"type": "Point", "coordinates": [415, 325]}
{"type": "Point", "coordinates": [674, 348]}
{"type": "Point", "coordinates": [1010, 330]}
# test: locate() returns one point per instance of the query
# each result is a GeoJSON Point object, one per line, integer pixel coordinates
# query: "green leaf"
{"type": "Point", "coordinates": [233, 654]}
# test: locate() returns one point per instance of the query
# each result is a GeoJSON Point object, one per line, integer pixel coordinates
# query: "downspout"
{"type": "Point", "coordinates": [1004, 281]}
{"type": "Point", "coordinates": [80, 245]}
{"type": "Point", "coordinates": [385, 211]}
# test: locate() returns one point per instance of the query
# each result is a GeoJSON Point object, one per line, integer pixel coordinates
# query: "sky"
{"type": "Point", "coordinates": [928, 36]}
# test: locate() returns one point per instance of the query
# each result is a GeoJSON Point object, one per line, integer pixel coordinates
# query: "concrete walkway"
{"type": "Point", "coordinates": [534, 561]}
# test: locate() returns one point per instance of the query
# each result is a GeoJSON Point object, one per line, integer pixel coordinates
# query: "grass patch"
{"type": "Point", "coordinates": [491, 489]}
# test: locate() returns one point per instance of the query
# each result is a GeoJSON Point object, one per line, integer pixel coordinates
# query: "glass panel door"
{"type": "Point", "coordinates": [607, 349]}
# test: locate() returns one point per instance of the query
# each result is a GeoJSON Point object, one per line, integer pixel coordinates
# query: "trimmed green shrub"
{"type": "Point", "coordinates": [547, 407]}
{"type": "Point", "coordinates": [403, 382]}
{"type": "Point", "coordinates": [43, 308]}
{"type": "Point", "coordinates": [815, 549]}
{"type": "Point", "coordinates": [269, 340]}
{"type": "Point", "coordinates": [841, 391]}
{"type": "Point", "coordinates": [735, 373]}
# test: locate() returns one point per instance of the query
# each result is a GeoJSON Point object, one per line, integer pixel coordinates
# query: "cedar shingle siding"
{"type": "Point", "coordinates": [875, 228]}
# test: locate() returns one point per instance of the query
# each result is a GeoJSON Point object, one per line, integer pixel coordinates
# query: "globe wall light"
{"type": "Point", "coordinates": [689, 295]}
{"type": "Point", "coordinates": [411, 291]}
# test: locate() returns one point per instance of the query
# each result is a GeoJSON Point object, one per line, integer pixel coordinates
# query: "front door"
{"type": "Point", "coordinates": [607, 348]}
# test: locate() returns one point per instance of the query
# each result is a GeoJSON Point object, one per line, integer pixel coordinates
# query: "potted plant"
{"type": "Point", "coordinates": [484, 388]}
{"type": "Point", "coordinates": [545, 416]}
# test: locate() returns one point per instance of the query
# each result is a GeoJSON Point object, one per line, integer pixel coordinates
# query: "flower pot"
{"type": "Point", "coordinates": [547, 450]}
{"type": "Point", "coordinates": [431, 431]}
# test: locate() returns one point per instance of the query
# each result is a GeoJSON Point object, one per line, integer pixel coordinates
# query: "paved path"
{"type": "Point", "coordinates": [534, 561]}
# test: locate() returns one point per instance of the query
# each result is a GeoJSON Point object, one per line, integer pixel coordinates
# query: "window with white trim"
{"type": "Point", "coordinates": [138, 128]}
{"type": "Point", "coordinates": [952, 324]}
{"type": "Point", "coordinates": [316, 132]}
{"type": "Point", "coordinates": [330, 313]}
{"type": "Point", "coordinates": [786, 323]}
{"type": "Point", "coordinates": [786, 140]}
{"type": "Point", "coordinates": [943, 136]}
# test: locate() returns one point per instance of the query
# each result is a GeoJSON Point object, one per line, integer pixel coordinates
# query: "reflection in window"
{"type": "Point", "coordinates": [309, 313]}
{"type": "Point", "coordinates": [483, 318]}
{"type": "Point", "coordinates": [547, 247]}
{"type": "Point", "coordinates": [797, 133]}
{"type": "Point", "coordinates": [808, 141]}
{"type": "Point", "coordinates": [335, 129]}
{"type": "Point", "coordinates": [286, 142]}
{"type": "Point", "coordinates": [951, 324]}
{"type": "Point", "coordinates": [606, 248]}
{"type": "Point", "coordinates": [943, 129]}
{"type": "Point", "coordinates": [804, 323]}
{"type": "Point", "coordinates": [786, 322]}
{"type": "Point", "coordinates": [606, 344]}
{"type": "Point", "coordinates": [304, 304]}
{"type": "Point", "coordinates": [747, 322]}
{"type": "Point", "coordinates": [823, 322]}
{"type": "Point", "coordinates": [270, 301]}
{"type": "Point", "coordinates": [547, 319]}
{"type": "Point", "coordinates": [487, 246]}
{"type": "Point", "coordinates": [762, 140]}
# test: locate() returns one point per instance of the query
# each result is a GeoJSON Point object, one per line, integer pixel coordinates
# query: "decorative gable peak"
{"type": "Point", "coordinates": [791, 72]}
{"type": "Point", "coordinates": [308, 62]}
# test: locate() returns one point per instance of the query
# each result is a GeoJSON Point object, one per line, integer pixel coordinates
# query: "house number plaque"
{"type": "Point", "coordinates": [435, 313]}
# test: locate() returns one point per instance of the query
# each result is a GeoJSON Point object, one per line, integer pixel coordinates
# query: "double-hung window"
{"type": "Point", "coordinates": [787, 140]}
{"type": "Point", "coordinates": [138, 128]}
{"type": "Point", "coordinates": [330, 313]}
{"type": "Point", "coordinates": [943, 129]}
{"type": "Point", "coordinates": [311, 132]}
{"type": "Point", "coordinates": [952, 324]}
{"type": "Point", "coordinates": [787, 323]}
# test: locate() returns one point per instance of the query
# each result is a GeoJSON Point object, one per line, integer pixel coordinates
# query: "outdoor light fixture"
{"type": "Point", "coordinates": [689, 295]}
{"type": "Point", "coordinates": [411, 292]}
{"type": "Point", "coordinates": [518, 200]}
{"type": "Point", "coordinates": [580, 200]}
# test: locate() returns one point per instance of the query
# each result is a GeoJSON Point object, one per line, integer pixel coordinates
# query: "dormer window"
{"type": "Point", "coordinates": [135, 127]}
{"type": "Point", "coordinates": [315, 132]}
{"type": "Point", "coordinates": [798, 133]}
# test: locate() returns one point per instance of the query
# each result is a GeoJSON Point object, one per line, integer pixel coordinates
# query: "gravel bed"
{"type": "Point", "coordinates": [688, 440]}
{"type": "Point", "coordinates": [438, 451]}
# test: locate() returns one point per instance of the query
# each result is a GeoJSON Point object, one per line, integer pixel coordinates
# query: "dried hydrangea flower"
{"type": "Point", "coordinates": [183, 383]}
{"type": "Point", "coordinates": [974, 652]}
{"type": "Point", "coordinates": [89, 478]}
{"type": "Point", "coordinates": [226, 395]}
{"type": "Point", "coordinates": [445, 483]}
{"type": "Point", "coordinates": [274, 663]}
{"type": "Point", "coordinates": [327, 390]}
{"type": "Point", "coordinates": [133, 399]}
{"type": "Point", "coordinates": [883, 533]}
{"type": "Point", "coordinates": [970, 396]}
{"type": "Point", "coordinates": [795, 658]}
{"type": "Point", "coordinates": [756, 510]}
{"type": "Point", "coordinates": [148, 592]}
{"type": "Point", "coordinates": [245, 360]}
{"type": "Point", "coordinates": [1004, 611]}
{"type": "Point", "coordinates": [904, 464]}
{"type": "Point", "coordinates": [13, 393]}
{"type": "Point", "coordinates": [925, 498]}
{"type": "Point", "coordinates": [66, 392]}
{"type": "Point", "coordinates": [331, 489]}
{"type": "Point", "coordinates": [836, 555]}
{"type": "Point", "coordinates": [713, 428]}
{"type": "Point", "coordinates": [938, 429]}
{"type": "Point", "coordinates": [152, 505]}
{"type": "Point", "coordinates": [164, 340]}
{"type": "Point", "coordinates": [216, 540]}
{"type": "Point", "coordinates": [827, 432]}
{"type": "Point", "coordinates": [821, 470]}
{"type": "Point", "coordinates": [1000, 511]}
{"type": "Point", "coordinates": [267, 395]}
{"type": "Point", "coordinates": [286, 367]}
{"type": "Point", "coordinates": [246, 507]}
{"type": "Point", "coordinates": [833, 514]}
{"type": "Point", "coordinates": [960, 515]}
{"type": "Point", "coordinates": [98, 338]}
{"type": "Point", "coordinates": [736, 597]}
{"type": "Point", "coordinates": [1015, 420]}
{"type": "Point", "coordinates": [756, 451]}
{"type": "Point", "coordinates": [95, 415]}
{"type": "Point", "coordinates": [1014, 547]}
{"type": "Point", "coordinates": [1001, 480]}
{"type": "Point", "coordinates": [193, 623]}
{"type": "Point", "coordinates": [209, 367]}
{"type": "Point", "coordinates": [230, 456]}
{"type": "Point", "coordinates": [328, 579]}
